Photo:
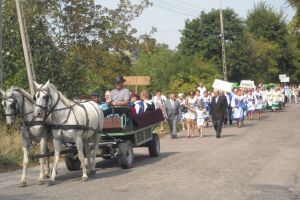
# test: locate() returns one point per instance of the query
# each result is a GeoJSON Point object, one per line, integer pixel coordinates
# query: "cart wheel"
{"type": "Point", "coordinates": [154, 146]}
{"type": "Point", "coordinates": [72, 162]}
{"type": "Point", "coordinates": [106, 153]}
{"type": "Point", "coordinates": [126, 155]}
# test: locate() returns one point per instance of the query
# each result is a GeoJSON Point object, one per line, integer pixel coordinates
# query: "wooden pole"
{"type": "Point", "coordinates": [223, 44]}
{"type": "Point", "coordinates": [1, 49]}
{"type": "Point", "coordinates": [26, 47]}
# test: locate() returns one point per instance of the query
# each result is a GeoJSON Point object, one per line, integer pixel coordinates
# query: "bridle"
{"type": "Point", "coordinates": [18, 110]}
{"type": "Point", "coordinates": [14, 102]}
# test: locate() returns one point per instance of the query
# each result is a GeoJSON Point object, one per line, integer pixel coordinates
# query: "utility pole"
{"type": "Point", "coordinates": [26, 46]}
{"type": "Point", "coordinates": [223, 44]}
{"type": "Point", "coordinates": [1, 49]}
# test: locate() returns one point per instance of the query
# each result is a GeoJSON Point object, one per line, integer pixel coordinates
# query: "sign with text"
{"type": "Point", "coordinates": [137, 80]}
{"type": "Point", "coordinates": [285, 80]}
{"type": "Point", "coordinates": [282, 76]}
{"type": "Point", "coordinates": [222, 85]}
{"type": "Point", "coordinates": [247, 84]}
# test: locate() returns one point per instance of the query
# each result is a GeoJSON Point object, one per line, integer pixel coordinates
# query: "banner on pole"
{"type": "Point", "coordinates": [222, 85]}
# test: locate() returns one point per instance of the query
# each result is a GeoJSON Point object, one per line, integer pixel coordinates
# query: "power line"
{"type": "Point", "coordinates": [186, 4]}
{"type": "Point", "coordinates": [174, 10]}
{"type": "Point", "coordinates": [179, 7]}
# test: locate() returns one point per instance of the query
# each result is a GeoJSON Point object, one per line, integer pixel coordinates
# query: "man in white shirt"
{"type": "Point", "coordinates": [201, 89]}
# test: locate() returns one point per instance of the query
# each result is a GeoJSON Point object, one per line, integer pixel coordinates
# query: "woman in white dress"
{"type": "Point", "coordinates": [259, 103]}
{"type": "Point", "coordinates": [237, 105]}
{"type": "Point", "coordinates": [251, 103]}
{"type": "Point", "coordinates": [201, 113]}
{"type": "Point", "coordinates": [190, 115]}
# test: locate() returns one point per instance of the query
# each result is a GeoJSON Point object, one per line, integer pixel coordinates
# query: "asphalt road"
{"type": "Point", "coordinates": [258, 161]}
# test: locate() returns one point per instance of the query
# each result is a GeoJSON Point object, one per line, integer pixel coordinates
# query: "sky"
{"type": "Point", "coordinates": [169, 16]}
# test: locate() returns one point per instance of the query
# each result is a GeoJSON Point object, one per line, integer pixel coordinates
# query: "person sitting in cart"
{"type": "Point", "coordinates": [95, 97]}
{"type": "Point", "coordinates": [120, 96]}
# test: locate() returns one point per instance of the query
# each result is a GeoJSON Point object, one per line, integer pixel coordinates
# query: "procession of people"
{"type": "Point", "coordinates": [194, 110]}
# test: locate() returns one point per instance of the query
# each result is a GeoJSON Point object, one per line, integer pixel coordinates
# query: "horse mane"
{"type": "Point", "coordinates": [22, 91]}
{"type": "Point", "coordinates": [63, 98]}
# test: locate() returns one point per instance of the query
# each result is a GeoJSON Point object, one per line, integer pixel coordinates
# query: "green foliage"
{"type": "Point", "coordinates": [269, 47]}
{"type": "Point", "coordinates": [202, 36]}
{"type": "Point", "coordinates": [171, 71]}
{"type": "Point", "coordinates": [70, 40]}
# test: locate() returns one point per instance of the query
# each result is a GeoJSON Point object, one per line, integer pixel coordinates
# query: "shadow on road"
{"type": "Point", "coordinates": [225, 136]}
{"type": "Point", "coordinates": [110, 168]}
{"type": "Point", "coordinates": [21, 197]}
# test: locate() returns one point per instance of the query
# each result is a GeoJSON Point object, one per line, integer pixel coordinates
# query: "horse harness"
{"type": "Point", "coordinates": [19, 111]}
{"type": "Point", "coordinates": [62, 126]}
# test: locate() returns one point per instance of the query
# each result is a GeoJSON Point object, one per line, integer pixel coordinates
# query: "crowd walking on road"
{"type": "Point", "coordinates": [194, 110]}
{"type": "Point", "coordinates": [200, 107]}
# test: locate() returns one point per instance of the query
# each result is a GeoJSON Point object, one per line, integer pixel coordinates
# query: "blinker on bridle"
{"type": "Point", "coordinates": [46, 97]}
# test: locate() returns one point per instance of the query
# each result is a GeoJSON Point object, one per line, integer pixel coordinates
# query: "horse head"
{"type": "Point", "coordinates": [42, 100]}
{"type": "Point", "coordinates": [10, 105]}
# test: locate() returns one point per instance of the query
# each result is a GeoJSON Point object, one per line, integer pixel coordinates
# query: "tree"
{"type": "Point", "coordinates": [202, 36]}
{"type": "Point", "coordinates": [79, 45]}
{"type": "Point", "coordinates": [43, 49]}
{"type": "Point", "coordinates": [269, 31]}
{"type": "Point", "coordinates": [170, 70]}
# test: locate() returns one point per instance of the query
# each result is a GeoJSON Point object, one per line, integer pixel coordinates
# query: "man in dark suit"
{"type": "Point", "coordinates": [218, 111]}
{"type": "Point", "coordinates": [171, 112]}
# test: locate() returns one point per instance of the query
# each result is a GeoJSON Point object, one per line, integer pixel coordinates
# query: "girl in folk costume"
{"type": "Point", "coordinates": [237, 105]}
{"type": "Point", "coordinates": [190, 116]}
{"type": "Point", "coordinates": [259, 102]}
{"type": "Point", "coordinates": [276, 96]}
{"type": "Point", "coordinates": [251, 103]}
{"type": "Point", "coordinates": [206, 104]}
{"type": "Point", "coordinates": [245, 104]}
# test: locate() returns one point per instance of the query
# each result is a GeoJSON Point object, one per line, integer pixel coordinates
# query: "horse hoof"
{"type": "Point", "coordinates": [84, 179]}
{"type": "Point", "coordinates": [92, 172]}
{"type": "Point", "coordinates": [50, 183]}
{"type": "Point", "coordinates": [23, 184]}
{"type": "Point", "coordinates": [40, 182]}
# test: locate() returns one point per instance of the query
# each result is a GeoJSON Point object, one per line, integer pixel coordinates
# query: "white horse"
{"type": "Point", "coordinates": [71, 122]}
{"type": "Point", "coordinates": [18, 103]}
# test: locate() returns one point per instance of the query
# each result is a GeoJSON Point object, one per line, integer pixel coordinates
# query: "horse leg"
{"type": "Point", "coordinates": [43, 151]}
{"type": "Point", "coordinates": [47, 171]}
{"type": "Point", "coordinates": [57, 147]}
{"type": "Point", "coordinates": [79, 144]}
{"type": "Point", "coordinates": [25, 148]}
{"type": "Point", "coordinates": [96, 139]}
{"type": "Point", "coordinates": [87, 150]}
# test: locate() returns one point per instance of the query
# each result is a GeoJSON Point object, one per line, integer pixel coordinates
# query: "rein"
{"type": "Point", "coordinates": [62, 125]}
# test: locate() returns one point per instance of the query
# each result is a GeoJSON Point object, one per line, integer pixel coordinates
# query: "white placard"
{"type": "Point", "coordinates": [247, 84]}
{"type": "Point", "coordinates": [285, 80]}
{"type": "Point", "coordinates": [282, 76]}
{"type": "Point", "coordinates": [222, 85]}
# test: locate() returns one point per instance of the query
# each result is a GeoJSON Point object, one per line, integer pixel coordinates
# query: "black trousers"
{"type": "Point", "coordinates": [229, 116]}
{"type": "Point", "coordinates": [218, 127]}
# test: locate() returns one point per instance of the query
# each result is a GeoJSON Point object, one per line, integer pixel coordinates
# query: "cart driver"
{"type": "Point", "coordinates": [120, 96]}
